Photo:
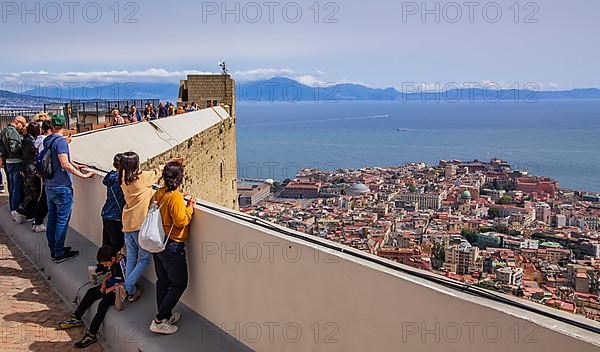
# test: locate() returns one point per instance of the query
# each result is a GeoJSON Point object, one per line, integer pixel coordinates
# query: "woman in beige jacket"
{"type": "Point", "coordinates": [138, 189]}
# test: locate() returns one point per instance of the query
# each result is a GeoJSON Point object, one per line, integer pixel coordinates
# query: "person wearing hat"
{"type": "Point", "coordinates": [59, 191]}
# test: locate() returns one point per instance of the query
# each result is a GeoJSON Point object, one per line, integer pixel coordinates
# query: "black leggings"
{"type": "Point", "coordinates": [172, 278]}
{"type": "Point", "coordinates": [91, 296]}
{"type": "Point", "coordinates": [112, 234]}
{"type": "Point", "coordinates": [32, 188]}
{"type": "Point", "coordinates": [42, 208]}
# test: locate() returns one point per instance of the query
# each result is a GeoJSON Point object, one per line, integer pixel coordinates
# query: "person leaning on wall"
{"type": "Point", "coordinates": [171, 264]}
{"type": "Point", "coordinates": [59, 190]}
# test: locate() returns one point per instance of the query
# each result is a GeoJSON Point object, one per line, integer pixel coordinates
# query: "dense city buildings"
{"type": "Point", "coordinates": [252, 193]}
{"type": "Point", "coordinates": [482, 223]}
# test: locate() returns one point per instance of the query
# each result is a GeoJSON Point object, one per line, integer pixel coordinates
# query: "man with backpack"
{"type": "Point", "coordinates": [11, 150]}
{"type": "Point", "coordinates": [54, 165]}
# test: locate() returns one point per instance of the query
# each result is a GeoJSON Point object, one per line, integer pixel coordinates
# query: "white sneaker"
{"type": "Point", "coordinates": [13, 213]}
{"type": "Point", "coordinates": [174, 318]}
{"type": "Point", "coordinates": [163, 328]}
{"type": "Point", "coordinates": [38, 228]}
{"type": "Point", "coordinates": [19, 218]}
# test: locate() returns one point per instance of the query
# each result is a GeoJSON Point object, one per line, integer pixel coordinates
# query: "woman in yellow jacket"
{"type": "Point", "coordinates": [171, 264]}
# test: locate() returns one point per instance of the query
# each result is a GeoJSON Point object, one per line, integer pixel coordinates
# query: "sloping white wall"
{"type": "Point", "coordinates": [97, 148]}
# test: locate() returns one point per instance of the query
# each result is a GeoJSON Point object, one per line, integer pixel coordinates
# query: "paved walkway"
{"type": "Point", "coordinates": [29, 308]}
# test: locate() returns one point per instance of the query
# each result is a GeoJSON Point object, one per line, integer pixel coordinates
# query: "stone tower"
{"type": "Point", "coordinates": [208, 91]}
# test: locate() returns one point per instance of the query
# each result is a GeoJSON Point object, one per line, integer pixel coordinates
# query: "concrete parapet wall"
{"type": "Point", "coordinates": [277, 293]}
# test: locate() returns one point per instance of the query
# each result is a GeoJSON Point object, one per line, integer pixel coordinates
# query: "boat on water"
{"type": "Point", "coordinates": [402, 129]}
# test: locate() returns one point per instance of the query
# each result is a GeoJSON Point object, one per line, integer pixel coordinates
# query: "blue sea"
{"type": "Point", "coordinates": [558, 138]}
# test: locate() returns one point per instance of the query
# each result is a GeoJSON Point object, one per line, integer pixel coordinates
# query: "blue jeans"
{"type": "Point", "coordinates": [138, 260]}
{"type": "Point", "coordinates": [60, 204]}
{"type": "Point", "coordinates": [15, 185]}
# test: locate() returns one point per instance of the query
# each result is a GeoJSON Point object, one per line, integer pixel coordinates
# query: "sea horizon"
{"type": "Point", "coordinates": [277, 139]}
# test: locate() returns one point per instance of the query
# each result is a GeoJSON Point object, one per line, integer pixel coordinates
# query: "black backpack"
{"type": "Point", "coordinates": [3, 148]}
{"type": "Point", "coordinates": [43, 162]}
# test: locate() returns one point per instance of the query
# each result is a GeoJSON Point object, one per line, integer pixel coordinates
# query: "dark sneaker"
{"type": "Point", "coordinates": [134, 297]}
{"type": "Point", "coordinates": [67, 249]}
{"type": "Point", "coordinates": [87, 340]}
{"type": "Point", "coordinates": [72, 322]}
{"type": "Point", "coordinates": [68, 255]}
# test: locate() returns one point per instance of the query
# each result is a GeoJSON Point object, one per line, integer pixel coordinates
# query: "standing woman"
{"type": "Point", "coordinates": [42, 205]}
{"type": "Point", "coordinates": [170, 264]}
{"type": "Point", "coordinates": [31, 182]}
{"type": "Point", "coordinates": [137, 190]}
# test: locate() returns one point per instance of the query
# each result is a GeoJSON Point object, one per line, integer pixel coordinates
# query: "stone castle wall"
{"type": "Point", "coordinates": [210, 164]}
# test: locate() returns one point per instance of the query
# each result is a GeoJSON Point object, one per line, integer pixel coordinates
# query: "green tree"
{"type": "Point", "coordinates": [505, 200]}
{"type": "Point", "coordinates": [471, 238]}
{"type": "Point", "coordinates": [466, 232]}
{"type": "Point", "coordinates": [493, 213]}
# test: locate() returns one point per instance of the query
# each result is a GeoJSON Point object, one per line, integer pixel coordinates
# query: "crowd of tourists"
{"type": "Point", "coordinates": [149, 113]}
{"type": "Point", "coordinates": [36, 159]}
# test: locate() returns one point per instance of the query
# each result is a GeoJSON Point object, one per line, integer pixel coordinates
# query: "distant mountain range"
{"type": "Point", "coordinates": [23, 101]}
{"type": "Point", "coordinates": [283, 89]}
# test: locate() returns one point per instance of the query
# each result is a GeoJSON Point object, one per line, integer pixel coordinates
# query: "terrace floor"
{"type": "Point", "coordinates": [29, 308]}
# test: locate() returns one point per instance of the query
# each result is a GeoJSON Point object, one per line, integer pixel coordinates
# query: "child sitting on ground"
{"type": "Point", "coordinates": [109, 292]}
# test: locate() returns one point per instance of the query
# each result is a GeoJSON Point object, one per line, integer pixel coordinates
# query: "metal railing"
{"type": "Point", "coordinates": [79, 112]}
{"type": "Point", "coordinates": [7, 115]}
{"type": "Point", "coordinates": [82, 111]}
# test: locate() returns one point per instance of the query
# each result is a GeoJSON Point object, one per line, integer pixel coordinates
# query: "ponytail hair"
{"type": "Point", "coordinates": [129, 168]}
{"type": "Point", "coordinates": [173, 176]}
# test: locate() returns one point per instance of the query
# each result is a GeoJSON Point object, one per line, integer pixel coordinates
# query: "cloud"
{"type": "Point", "coordinates": [30, 79]}
{"type": "Point", "coordinates": [263, 73]}
{"type": "Point", "coordinates": [27, 80]}
{"type": "Point", "coordinates": [155, 75]}
{"type": "Point", "coordinates": [268, 73]}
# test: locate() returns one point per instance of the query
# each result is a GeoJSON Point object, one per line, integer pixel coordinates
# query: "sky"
{"type": "Point", "coordinates": [380, 43]}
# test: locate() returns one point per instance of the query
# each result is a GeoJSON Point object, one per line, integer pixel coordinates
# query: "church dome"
{"type": "Point", "coordinates": [358, 189]}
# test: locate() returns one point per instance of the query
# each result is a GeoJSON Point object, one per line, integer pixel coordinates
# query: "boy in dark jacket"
{"type": "Point", "coordinates": [112, 227]}
{"type": "Point", "coordinates": [108, 292]}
